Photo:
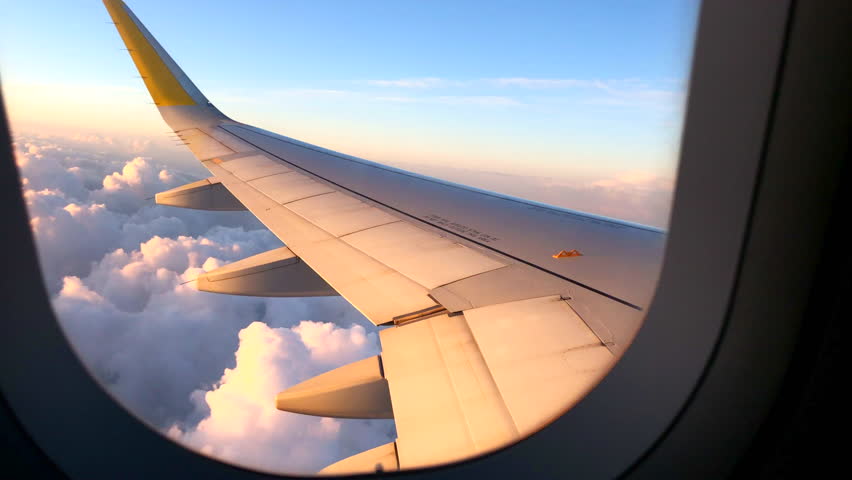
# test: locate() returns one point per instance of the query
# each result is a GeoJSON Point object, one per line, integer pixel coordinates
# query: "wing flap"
{"type": "Point", "coordinates": [446, 404]}
{"type": "Point", "coordinates": [381, 458]}
{"type": "Point", "coordinates": [468, 384]}
{"type": "Point", "coordinates": [543, 357]}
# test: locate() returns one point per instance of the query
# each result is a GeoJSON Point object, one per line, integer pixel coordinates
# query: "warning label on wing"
{"type": "Point", "coordinates": [459, 228]}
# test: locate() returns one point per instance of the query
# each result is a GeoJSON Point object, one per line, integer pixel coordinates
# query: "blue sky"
{"type": "Point", "coordinates": [589, 90]}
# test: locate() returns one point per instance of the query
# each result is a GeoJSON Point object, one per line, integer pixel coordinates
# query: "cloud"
{"type": "Point", "coordinates": [637, 196]}
{"type": "Point", "coordinates": [117, 267]}
{"type": "Point", "coordinates": [242, 424]}
{"type": "Point", "coordinates": [539, 83]}
{"type": "Point", "coordinates": [132, 176]}
{"type": "Point", "coordinates": [138, 179]}
{"type": "Point", "coordinates": [129, 279]}
{"type": "Point", "coordinates": [85, 202]}
{"type": "Point", "coordinates": [640, 97]}
{"type": "Point", "coordinates": [69, 235]}
{"type": "Point", "coordinates": [74, 289]}
{"type": "Point", "coordinates": [422, 82]}
{"type": "Point", "coordinates": [240, 96]}
{"type": "Point", "coordinates": [627, 92]}
{"type": "Point", "coordinates": [641, 197]}
{"type": "Point", "coordinates": [153, 339]}
{"type": "Point", "coordinates": [481, 100]}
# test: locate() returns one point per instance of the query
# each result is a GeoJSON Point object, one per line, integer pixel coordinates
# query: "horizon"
{"type": "Point", "coordinates": [491, 104]}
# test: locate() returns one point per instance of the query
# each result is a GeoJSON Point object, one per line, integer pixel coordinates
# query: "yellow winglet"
{"type": "Point", "coordinates": [564, 254]}
{"type": "Point", "coordinates": [164, 87]}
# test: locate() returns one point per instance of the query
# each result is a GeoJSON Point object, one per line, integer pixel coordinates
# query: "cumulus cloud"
{"type": "Point", "coordinates": [161, 347]}
{"type": "Point", "coordinates": [84, 202]}
{"type": "Point", "coordinates": [119, 269]}
{"type": "Point", "coordinates": [148, 336]}
{"type": "Point", "coordinates": [242, 424]}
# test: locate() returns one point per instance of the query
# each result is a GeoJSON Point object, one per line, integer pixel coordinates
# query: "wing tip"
{"type": "Point", "coordinates": [166, 82]}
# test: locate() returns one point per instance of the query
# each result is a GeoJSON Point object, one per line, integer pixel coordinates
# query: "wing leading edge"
{"type": "Point", "coordinates": [491, 334]}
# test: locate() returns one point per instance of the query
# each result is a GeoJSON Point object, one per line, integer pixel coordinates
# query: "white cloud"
{"type": "Point", "coordinates": [69, 235]}
{"type": "Point", "coordinates": [135, 174]}
{"type": "Point", "coordinates": [73, 288]}
{"type": "Point", "coordinates": [643, 97]}
{"type": "Point", "coordinates": [642, 197]}
{"type": "Point", "coordinates": [481, 100]}
{"type": "Point", "coordinates": [639, 180]}
{"type": "Point", "coordinates": [138, 179]}
{"type": "Point", "coordinates": [525, 82]}
{"type": "Point", "coordinates": [153, 340]}
{"type": "Point", "coordinates": [117, 264]}
{"type": "Point", "coordinates": [627, 92]}
{"type": "Point", "coordinates": [422, 82]}
{"type": "Point", "coordinates": [260, 97]}
{"type": "Point", "coordinates": [242, 424]}
{"type": "Point", "coordinates": [84, 203]}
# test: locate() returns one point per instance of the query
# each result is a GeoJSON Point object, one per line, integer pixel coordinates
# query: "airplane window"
{"type": "Point", "coordinates": [377, 339]}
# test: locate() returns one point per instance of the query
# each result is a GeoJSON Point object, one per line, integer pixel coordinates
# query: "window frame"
{"type": "Point", "coordinates": [668, 401]}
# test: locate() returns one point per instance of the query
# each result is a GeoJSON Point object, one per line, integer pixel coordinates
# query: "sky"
{"type": "Point", "coordinates": [584, 90]}
{"type": "Point", "coordinates": [576, 104]}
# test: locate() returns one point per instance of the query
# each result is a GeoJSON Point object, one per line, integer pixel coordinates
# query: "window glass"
{"type": "Point", "coordinates": [577, 105]}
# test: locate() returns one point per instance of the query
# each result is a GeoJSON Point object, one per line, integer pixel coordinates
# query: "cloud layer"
{"type": "Point", "coordinates": [201, 367]}
{"type": "Point", "coordinates": [240, 404]}
{"type": "Point", "coordinates": [640, 197]}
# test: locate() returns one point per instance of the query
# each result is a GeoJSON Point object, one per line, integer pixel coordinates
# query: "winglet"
{"type": "Point", "coordinates": [166, 82]}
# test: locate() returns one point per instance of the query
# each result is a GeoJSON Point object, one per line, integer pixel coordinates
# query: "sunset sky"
{"type": "Point", "coordinates": [574, 104]}
{"type": "Point", "coordinates": [556, 88]}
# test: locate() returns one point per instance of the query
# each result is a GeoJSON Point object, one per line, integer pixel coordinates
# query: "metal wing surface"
{"type": "Point", "coordinates": [497, 314]}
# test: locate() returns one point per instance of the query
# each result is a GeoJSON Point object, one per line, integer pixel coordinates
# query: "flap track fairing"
{"type": "Point", "coordinates": [207, 194]}
{"type": "Point", "coordinates": [355, 390]}
{"type": "Point", "coordinates": [276, 273]}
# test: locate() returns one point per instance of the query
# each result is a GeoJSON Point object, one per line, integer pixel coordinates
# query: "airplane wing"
{"type": "Point", "coordinates": [497, 314]}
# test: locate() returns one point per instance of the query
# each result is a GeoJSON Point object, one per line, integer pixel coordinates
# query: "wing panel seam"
{"type": "Point", "coordinates": [575, 282]}
{"type": "Point", "coordinates": [367, 163]}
